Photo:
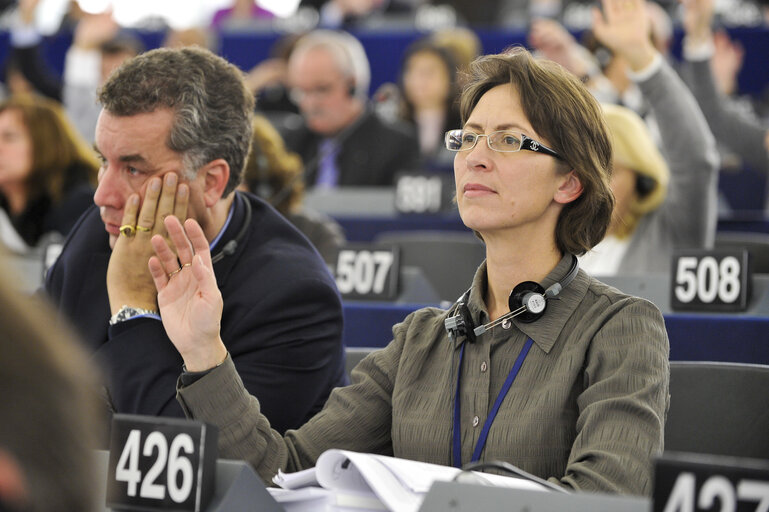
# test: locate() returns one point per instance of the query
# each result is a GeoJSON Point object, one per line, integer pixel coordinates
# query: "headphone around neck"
{"type": "Point", "coordinates": [527, 302]}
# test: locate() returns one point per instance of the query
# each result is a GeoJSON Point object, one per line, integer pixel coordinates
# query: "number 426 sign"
{"type": "Point", "coordinates": [160, 464]}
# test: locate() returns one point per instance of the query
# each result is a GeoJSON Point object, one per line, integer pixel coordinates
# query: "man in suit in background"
{"type": "Point", "coordinates": [342, 141]}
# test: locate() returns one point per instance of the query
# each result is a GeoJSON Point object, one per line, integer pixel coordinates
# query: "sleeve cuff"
{"type": "Point", "coordinates": [698, 51]}
{"type": "Point", "coordinates": [24, 36]}
{"type": "Point", "coordinates": [648, 71]}
{"type": "Point", "coordinates": [81, 67]}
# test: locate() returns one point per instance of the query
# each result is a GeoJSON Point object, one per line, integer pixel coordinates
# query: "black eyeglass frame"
{"type": "Point", "coordinates": [527, 143]}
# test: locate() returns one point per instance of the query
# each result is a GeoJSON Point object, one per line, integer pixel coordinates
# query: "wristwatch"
{"type": "Point", "coordinates": [128, 312]}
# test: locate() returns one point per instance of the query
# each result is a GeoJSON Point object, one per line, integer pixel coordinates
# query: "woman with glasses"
{"type": "Point", "coordinates": [574, 389]}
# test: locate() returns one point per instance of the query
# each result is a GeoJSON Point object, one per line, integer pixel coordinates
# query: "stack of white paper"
{"type": "Point", "coordinates": [351, 481]}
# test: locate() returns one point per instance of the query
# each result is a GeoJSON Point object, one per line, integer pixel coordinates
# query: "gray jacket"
{"type": "Point", "coordinates": [687, 218]}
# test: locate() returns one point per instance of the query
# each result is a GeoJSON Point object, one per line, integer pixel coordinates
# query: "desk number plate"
{"type": "Point", "coordinates": [160, 464]}
{"type": "Point", "coordinates": [705, 281]}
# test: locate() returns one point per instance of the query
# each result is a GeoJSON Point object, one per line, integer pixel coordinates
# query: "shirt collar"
{"type": "Point", "coordinates": [224, 228]}
{"type": "Point", "coordinates": [546, 329]}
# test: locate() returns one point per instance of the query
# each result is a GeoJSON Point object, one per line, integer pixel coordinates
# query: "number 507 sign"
{"type": "Point", "coordinates": [367, 271]}
{"type": "Point", "coordinates": [710, 280]}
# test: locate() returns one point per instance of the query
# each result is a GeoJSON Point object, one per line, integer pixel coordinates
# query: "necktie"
{"type": "Point", "coordinates": [328, 173]}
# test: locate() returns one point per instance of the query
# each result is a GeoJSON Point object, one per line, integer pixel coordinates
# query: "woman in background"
{"type": "Point", "coordinates": [47, 171]}
{"type": "Point", "coordinates": [430, 95]}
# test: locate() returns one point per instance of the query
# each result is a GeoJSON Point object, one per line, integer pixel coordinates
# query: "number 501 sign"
{"type": "Point", "coordinates": [710, 280]}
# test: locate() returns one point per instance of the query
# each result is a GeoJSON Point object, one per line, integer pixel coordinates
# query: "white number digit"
{"type": "Point", "coordinates": [149, 488]}
{"type": "Point", "coordinates": [434, 192]}
{"type": "Point", "coordinates": [729, 285]}
{"type": "Point", "coordinates": [179, 464]}
{"type": "Point", "coordinates": [420, 194]}
{"type": "Point", "coordinates": [383, 261]}
{"type": "Point", "coordinates": [682, 496]}
{"type": "Point", "coordinates": [720, 488]}
{"type": "Point", "coordinates": [707, 279]}
{"type": "Point", "coordinates": [364, 272]}
{"type": "Point", "coordinates": [345, 280]}
{"type": "Point", "coordinates": [127, 469]}
{"type": "Point", "coordinates": [403, 195]}
{"type": "Point", "coordinates": [754, 490]}
{"type": "Point", "coordinates": [685, 276]}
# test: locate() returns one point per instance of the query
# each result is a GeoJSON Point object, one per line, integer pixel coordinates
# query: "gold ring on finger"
{"type": "Point", "coordinates": [127, 230]}
{"type": "Point", "coordinates": [143, 229]}
{"type": "Point", "coordinates": [172, 274]}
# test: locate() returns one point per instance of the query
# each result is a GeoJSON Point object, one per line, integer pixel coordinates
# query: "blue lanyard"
{"type": "Point", "coordinates": [492, 414]}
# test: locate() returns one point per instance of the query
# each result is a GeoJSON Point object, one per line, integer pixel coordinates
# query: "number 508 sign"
{"type": "Point", "coordinates": [710, 281]}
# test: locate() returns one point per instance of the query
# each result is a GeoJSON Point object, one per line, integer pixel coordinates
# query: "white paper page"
{"type": "Point", "coordinates": [297, 480]}
{"type": "Point", "coordinates": [308, 499]}
{"type": "Point", "coordinates": [365, 469]}
{"type": "Point", "coordinates": [331, 473]}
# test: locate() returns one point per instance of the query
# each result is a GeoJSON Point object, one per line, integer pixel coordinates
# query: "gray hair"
{"type": "Point", "coordinates": [347, 52]}
{"type": "Point", "coordinates": [212, 105]}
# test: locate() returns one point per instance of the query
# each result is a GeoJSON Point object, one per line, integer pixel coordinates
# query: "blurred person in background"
{"type": "Point", "coordinates": [275, 175]}
{"type": "Point", "coordinates": [352, 14]}
{"type": "Point", "coordinates": [739, 130]}
{"type": "Point", "coordinates": [98, 48]}
{"type": "Point", "coordinates": [241, 15]}
{"type": "Point", "coordinates": [662, 203]}
{"type": "Point", "coordinates": [430, 94]}
{"type": "Point", "coordinates": [462, 42]}
{"type": "Point", "coordinates": [25, 70]}
{"type": "Point", "coordinates": [48, 414]}
{"type": "Point", "coordinates": [268, 80]}
{"type": "Point", "coordinates": [342, 141]}
{"type": "Point", "coordinates": [47, 170]}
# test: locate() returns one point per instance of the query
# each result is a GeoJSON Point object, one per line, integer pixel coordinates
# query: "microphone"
{"type": "Point", "coordinates": [532, 302]}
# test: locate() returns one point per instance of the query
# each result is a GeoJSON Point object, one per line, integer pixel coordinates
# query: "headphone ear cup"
{"type": "Point", "coordinates": [464, 312]}
{"type": "Point", "coordinates": [534, 296]}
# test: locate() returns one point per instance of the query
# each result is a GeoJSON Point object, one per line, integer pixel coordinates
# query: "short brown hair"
{"type": "Point", "coordinates": [59, 154]}
{"type": "Point", "coordinates": [210, 100]}
{"type": "Point", "coordinates": [561, 110]}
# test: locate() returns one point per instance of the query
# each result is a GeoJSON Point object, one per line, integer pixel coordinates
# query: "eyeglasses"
{"type": "Point", "coordinates": [503, 141]}
{"type": "Point", "coordinates": [319, 91]}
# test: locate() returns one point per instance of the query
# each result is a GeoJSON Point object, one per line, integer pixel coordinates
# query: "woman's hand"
{"type": "Point", "coordinates": [189, 300]}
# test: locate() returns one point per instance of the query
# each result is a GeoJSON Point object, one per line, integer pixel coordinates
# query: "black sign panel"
{"type": "Point", "coordinates": [694, 483]}
{"type": "Point", "coordinates": [367, 271]}
{"type": "Point", "coordinates": [716, 280]}
{"type": "Point", "coordinates": [424, 193]}
{"type": "Point", "coordinates": [160, 464]}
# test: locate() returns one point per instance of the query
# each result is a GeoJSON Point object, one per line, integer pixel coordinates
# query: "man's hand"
{"type": "Point", "coordinates": [623, 27]}
{"type": "Point", "coordinates": [189, 300]}
{"type": "Point", "coordinates": [128, 279]}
